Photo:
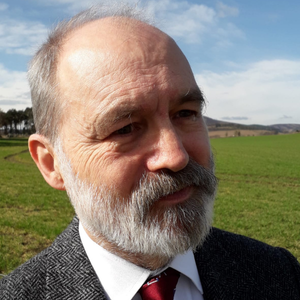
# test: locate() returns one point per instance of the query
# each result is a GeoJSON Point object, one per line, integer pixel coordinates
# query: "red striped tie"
{"type": "Point", "coordinates": [161, 287]}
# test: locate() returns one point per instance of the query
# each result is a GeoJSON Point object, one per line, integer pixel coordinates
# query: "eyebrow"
{"type": "Point", "coordinates": [110, 118]}
{"type": "Point", "coordinates": [125, 111]}
{"type": "Point", "coordinates": [193, 95]}
{"type": "Point", "coordinates": [120, 114]}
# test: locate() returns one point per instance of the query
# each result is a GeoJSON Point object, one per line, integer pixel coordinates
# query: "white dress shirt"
{"type": "Point", "coordinates": [112, 269]}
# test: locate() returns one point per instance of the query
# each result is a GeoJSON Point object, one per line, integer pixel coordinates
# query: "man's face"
{"type": "Point", "coordinates": [133, 109]}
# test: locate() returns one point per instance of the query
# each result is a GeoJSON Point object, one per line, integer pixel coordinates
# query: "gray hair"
{"type": "Point", "coordinates": [42, 72]}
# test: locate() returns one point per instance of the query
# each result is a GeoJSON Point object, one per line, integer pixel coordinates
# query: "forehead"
{"type": "Point", "coordinates": [110, 60]}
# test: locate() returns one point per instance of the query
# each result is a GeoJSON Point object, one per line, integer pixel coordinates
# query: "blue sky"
{"type": "Point", "coordinates": [245, 54]}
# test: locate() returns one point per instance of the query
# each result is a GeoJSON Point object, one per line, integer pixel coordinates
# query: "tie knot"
{"type": "Point", "coordinates": [160, 287]}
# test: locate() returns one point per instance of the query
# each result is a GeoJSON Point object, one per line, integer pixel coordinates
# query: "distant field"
{"type": "Point", "coordinates": [259, 196]}
{"type": "Point", "coordinates": [237, 132]}
{"type": "Point", "coordinates": [259, 188]}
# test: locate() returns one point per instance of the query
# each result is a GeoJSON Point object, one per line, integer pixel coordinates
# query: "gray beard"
{"type": "Point", "coordinates": [137, 224]}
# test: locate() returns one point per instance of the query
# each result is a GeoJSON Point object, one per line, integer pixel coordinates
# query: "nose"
{"type": "Point", "coordinates": [167, 152]}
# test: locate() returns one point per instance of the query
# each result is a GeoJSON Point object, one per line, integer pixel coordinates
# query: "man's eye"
{"type": "Point", "coordinates": [125, 130]}
{"type": "Point", "coordinates": [187, 113]}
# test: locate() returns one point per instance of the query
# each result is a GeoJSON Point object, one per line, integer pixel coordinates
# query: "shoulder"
{"type": "Point", "coordinates": [248, 264]}
{"type": "Point", "coordinates": [241, 246]}
{"type": "Point", "coordinates": [21, 280]}
{"type": "Point", "coordinates": [29, 280]}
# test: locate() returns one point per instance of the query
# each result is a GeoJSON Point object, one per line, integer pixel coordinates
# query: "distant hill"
{"type": "Point", "coordinates": [217, 125]}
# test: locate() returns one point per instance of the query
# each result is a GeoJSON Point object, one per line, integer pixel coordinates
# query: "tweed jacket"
{"type": "Point", "coordinates": [230, 266]}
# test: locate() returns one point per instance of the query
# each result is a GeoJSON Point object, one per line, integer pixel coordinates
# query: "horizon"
{"type": "Point", "coordinates": [245, 56]}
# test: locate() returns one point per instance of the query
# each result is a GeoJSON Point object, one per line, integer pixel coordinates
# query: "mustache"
{"type": "Point", "coordinates": [154, 186]}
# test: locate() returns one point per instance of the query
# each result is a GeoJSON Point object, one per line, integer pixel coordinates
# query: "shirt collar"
{"type": "Point", "coordinates": [111, 268]}
{"type": "Point", "coordinates": [185, 264]}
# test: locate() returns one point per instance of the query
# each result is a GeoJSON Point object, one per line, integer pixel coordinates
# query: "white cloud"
{"type": "Point", "coordinates": [286, 117]}
{"type": "Point", "coordinates": [183, 20]}
{"type": "Point", "coordinates": [72, 6]}
{"type": "Point", "coordinates": [14, 89]}
{"type": "Point", "coordinates": [195, 23]}
{"type": "Point", "coordinates": [3, 6]}
{"type": "Point", "coordinates": [226, 11]}
{"type": "Point", "coordinates": [263, 92]}
{"type": "Point", "coordinates": [191, 24]}
{"type": "Point", "coordinates": [21, 37]}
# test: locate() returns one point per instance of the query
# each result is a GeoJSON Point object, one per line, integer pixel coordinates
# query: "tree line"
{"type": "Point", "coordinates": [16, 121]}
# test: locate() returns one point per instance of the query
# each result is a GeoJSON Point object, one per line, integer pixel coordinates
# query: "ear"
{"type": "Point", "coordinates": [43, 155]}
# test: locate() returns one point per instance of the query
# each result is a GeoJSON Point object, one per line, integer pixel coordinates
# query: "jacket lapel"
{"type": "Point", "coordinates": [222, 276]}
{"type": "Point", "coordinates": [69, 272]}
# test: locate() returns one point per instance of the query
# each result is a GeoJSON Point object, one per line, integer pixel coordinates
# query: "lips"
{"type": "Point", "coordinates": [177, 197]}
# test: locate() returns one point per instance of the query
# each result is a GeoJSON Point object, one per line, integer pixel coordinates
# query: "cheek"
{"type": "Point", "coordinates": [103, 166]}
{"type": "Point", "coordinates": [89, 160]}
{"type": "Point", "coordinates": [198, 148]}
{"type": "Point", "coordinates": [124, 174]}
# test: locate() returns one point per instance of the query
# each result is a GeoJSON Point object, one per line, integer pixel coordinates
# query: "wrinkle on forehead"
{"type": "Point", "coordinates": [112, 34]}
{"type": "Point", "coordinates": [104, 58]}
{"type": "Point", "coordinates": [135, 42]}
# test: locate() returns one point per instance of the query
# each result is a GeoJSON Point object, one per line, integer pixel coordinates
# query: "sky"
{"type": "Point", "coordinates": [245, 54]}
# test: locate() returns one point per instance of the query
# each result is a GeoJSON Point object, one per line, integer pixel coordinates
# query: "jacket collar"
{"type": "Point", "coordinates": [223, 275]}
{"type": "Point", "coordinates": [69, 272]}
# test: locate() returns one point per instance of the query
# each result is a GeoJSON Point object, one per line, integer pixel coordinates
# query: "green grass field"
{"type": "Point", "coordinates": [259, 188]}
{"type": "Point", "coordinates": [32, 213]}
{"type": "Point", "coordinates": [259, 196]}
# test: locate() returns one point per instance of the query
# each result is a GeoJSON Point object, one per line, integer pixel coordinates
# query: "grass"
{"type": "Point", "coordinates": [32, 213]}
{"type": "Point", "coordinates": [259, 188]}
{"type": "Point", "coordinates": [259, 195]}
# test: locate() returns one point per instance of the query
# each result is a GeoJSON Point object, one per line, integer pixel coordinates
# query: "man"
{"type": "Point", "coordinates": [119, 126]}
